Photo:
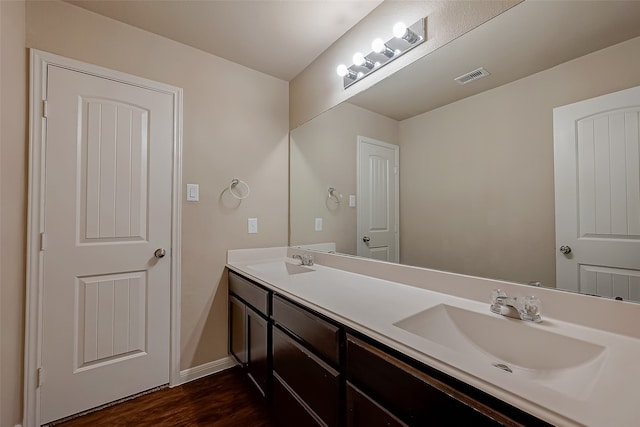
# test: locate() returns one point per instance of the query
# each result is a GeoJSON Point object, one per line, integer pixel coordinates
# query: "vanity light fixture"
{"type": "Point", "coordinates": [405, 38]}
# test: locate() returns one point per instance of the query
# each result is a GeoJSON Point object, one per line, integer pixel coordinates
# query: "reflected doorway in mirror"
{"type": "Point", "coordinates": [378, 192]}
{"type": "Point", "coordinates": [597, 180]}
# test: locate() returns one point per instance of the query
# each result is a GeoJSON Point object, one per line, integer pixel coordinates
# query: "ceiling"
{"type": "Point", "coordinates": [530, 37]}
{"type": "Point", "coordinates": [277, 37]}
{"type": "Point", "coordinates": [282, 37]}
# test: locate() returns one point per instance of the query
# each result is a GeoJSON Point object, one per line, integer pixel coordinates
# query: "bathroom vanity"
{"type": "Point", "coordinates": [331, 346]}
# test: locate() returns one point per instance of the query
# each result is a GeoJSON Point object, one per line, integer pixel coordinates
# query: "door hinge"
{"type": "Point", "coordinates": [45, 108]}
{"type": "Point", "coordinates": [40, 377]}
{"type": "Point", "coordinates": [43, 241]}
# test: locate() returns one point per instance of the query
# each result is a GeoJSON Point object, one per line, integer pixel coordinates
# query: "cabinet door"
{"type": "Point", "coordinates": [258, 349]}
{"type": "Point", "coordinates": [362, 411]}
{"type": "Point", "coordinates": [313, 381]}
{"type": "Point", "coordinates": [289, 410]}
{"type": "Point", "coordinates": [238, 330]}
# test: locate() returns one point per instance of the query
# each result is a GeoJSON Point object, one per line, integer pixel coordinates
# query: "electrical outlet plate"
{"type": "Point", "coordinates": [252, 225]}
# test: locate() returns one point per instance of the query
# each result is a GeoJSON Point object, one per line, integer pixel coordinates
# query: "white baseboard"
{"type": "Point", "coordinates": [196, 372]}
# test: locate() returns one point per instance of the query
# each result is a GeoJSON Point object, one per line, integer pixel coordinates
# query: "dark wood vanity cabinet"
{"type": "Point", "coordinates": [317, 372]}
{"type": "Point", "coordinates": [249, 329]}
{"type": "Point", "coordinates": [306, 361]}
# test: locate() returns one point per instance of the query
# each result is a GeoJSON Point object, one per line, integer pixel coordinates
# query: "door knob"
{"type": "Point", "coordinates": [566, 250]}
{"type": "Point", "coordinates": [159, 253]}
{"type": "Point", "coordinates": [366, 239]}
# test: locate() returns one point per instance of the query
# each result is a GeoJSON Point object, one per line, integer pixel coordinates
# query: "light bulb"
{"type": "Point", "coordinates": [342, 70]}
{"type": "Point", "coordinates": [399, 30]}
{"type": "Point", "coordinates": [362, 61]}
{"type": "Point", "coordinates": [378, 46]}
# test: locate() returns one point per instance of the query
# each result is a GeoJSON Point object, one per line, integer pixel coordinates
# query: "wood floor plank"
{"type": "Point", "coordinates": [226, 399]}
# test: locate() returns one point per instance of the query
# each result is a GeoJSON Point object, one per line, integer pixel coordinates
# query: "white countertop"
{"type": "Point", "coordinates": [605, 397]}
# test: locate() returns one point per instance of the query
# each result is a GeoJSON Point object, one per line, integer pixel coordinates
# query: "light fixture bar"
{"type": "Point", "coordinates": [384, 52]}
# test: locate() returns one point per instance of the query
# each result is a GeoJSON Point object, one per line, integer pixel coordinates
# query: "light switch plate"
{"type": "Point", "coordinates": [193, 192]}
{"type": "Point", "coordinates": [252, 225]}
{"type": "Point", "coordinates": [318, 224]}
{"type": "Point", "coordinates": [352, 201]}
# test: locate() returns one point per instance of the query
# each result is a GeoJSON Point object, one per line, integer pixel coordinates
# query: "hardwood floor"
{"type": "Point", "coordinates": [226, 399]}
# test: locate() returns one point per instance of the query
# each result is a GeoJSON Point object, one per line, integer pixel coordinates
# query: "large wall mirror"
{"type": "Point", "coordinates": [476, 161]}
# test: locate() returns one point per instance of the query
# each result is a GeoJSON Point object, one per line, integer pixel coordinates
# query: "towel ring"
{"type": "Point", "coordinates": [334, 196]}
{"type": "Point", "coordinates": [235, 182]}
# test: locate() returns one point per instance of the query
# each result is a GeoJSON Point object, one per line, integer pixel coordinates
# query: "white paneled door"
{"type": "Point", "coordinates": [107, 209]}
{"type": "Point", "coordinates": [597, 181]}
{"type": "Point", "coordinates": [378, 205]}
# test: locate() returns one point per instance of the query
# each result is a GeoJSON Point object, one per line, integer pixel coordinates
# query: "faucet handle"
{"type": "Point", "coordinates": [498, 296]}
{"type": "Point", "coordinates": [529, 308]}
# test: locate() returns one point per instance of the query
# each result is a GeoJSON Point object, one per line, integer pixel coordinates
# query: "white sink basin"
{"type": "Point", "coordinates": [560, 362]}
{"type": "Point", "coordinates": [279, 268]}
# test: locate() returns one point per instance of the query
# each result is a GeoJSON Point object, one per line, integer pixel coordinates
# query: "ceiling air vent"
{"type": "Point", "coordinates": [472, 75]}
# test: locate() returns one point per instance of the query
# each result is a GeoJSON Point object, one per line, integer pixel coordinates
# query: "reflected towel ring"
{"type": "Point", "coordinates": [235, 182]}
{"type": "Point", "coordinates": [334, 195]}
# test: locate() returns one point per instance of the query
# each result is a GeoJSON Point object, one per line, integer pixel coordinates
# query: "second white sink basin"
{"type": "Point", "coordinates": [563, 363]}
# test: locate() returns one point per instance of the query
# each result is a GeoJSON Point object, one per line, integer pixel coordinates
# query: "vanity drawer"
{"type": "Point", "coordinates": [413, 396]}
{"type": "Point", "coordinates": [321, 336]}
{"type": "Point", "coordinates": [249, 292]}
{"type": "Point", "coordinates": [315, 382]}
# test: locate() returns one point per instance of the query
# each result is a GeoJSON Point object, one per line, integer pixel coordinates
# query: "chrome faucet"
{"type": "Point", "coordinates": [525, 308]}
{"type": "Point", "coordinates": [304, 259]}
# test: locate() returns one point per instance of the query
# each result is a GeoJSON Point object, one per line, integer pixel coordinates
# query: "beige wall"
{"type": "Point", "coordinates": [477, 175]}
{"type": "Point", "coordinates": [318, 87]}
{"type": "Point", "coordinates": [235, 125]}
{"type": "Point", "coordinates": [13, 154]}
{"type": "Point", "coordinates": [323, 155]}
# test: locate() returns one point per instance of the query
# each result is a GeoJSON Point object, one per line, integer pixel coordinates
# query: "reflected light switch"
{"type": "Point", "coordinates": [352, 201]}
{"type": "Point", "coordinates": [193, 193]}
{"type": "Point", "coordinates": [318, 224]}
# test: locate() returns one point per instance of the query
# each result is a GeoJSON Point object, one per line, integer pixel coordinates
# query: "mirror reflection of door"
{"type": "Point", "coordinates": [378, 202]}
{"type": "Point", "coordinates": [597, 180]}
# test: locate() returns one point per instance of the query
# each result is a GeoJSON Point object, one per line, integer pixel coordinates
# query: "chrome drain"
{"type": "Point", "coordinates": [503, 367]}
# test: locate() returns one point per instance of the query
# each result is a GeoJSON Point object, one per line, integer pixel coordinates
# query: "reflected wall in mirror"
{"type": "Point", "coordinates": [476, 167]}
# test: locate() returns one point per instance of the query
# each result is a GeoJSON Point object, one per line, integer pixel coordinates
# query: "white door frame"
{"type": "Point", "coordinates": [35, 218]}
